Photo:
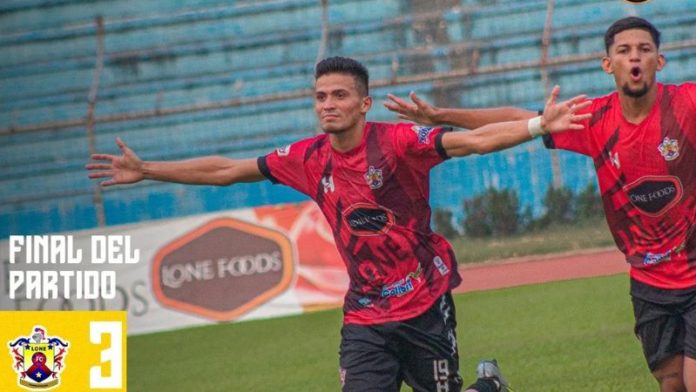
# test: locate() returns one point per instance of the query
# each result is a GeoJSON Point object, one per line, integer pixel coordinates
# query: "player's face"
{"type": "Point", "coordinates": [634, 61]}
{"type": "Point", "coordinates": [339, 105]}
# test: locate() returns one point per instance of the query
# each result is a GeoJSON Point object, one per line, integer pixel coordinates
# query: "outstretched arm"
{"type": "Point", "coordinates": [421, 112]}
{"type": "Point", "coordinates": [498, 136]}
{"type": "Point", "coordinates": [128, 168]}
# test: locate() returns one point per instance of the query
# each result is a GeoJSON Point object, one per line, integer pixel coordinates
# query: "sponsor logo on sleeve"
{"type": "Point", "coordinates": [422, 133]}
{"type": "Point", "coordinates": [655, 195]}
{"type": "Point", "coordinates": [38, 359]}
{"type": "Point", "coordinates": [283, 151]}
{"type": "Point", "coordinates": [366, 219]}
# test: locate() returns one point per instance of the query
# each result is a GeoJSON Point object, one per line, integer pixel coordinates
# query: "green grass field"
{"type": "Point", "coordinates": [562, 336]}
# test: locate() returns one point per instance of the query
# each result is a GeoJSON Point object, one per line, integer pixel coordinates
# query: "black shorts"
{"type": "Point", "coordinates": [665, 322]}
{"type": "Point", "coordinates": [421, 351]}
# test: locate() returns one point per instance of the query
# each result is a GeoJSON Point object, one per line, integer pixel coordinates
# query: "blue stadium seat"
{"type": "Point", "coordinates": [169, 54]}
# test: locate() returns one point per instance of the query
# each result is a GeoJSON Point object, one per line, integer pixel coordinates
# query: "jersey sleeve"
{"type": "Point", "coordinates": [689, 89]}
{"type": "Point", "coordinates": [286, 165]}
{"type": "Point", "coordinates": [420, 145]}
{"type": "Point", "coordinates": [579, 141]}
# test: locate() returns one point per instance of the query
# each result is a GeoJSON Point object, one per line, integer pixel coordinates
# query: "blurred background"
{"type": "Point", "coordinates": [178, 79]}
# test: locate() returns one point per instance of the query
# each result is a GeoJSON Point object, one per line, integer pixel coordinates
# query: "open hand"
{"type": "Point", "coordinates": [562, 116]}
{"type": "Point", "coordinates": [420, 112]}
{"type": "Point", "coordinates": [123, 169]}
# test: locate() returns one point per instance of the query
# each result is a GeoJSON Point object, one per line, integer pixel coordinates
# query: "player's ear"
{"type": "Point", "coordinates": [366, 104]}
{"type": "Point", "coordinates": [606, 65]}
{"type": "Point", "coordinates": [661, 62]}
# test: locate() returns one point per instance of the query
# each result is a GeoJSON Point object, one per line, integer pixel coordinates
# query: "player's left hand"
{"type": "Point", "coordinates": [563, 116]}
{"type": "Point", "coordinates": [420, 111]}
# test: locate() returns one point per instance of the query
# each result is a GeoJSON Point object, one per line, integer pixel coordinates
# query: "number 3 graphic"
{"type": "Point", "coordinates": [112, 354]}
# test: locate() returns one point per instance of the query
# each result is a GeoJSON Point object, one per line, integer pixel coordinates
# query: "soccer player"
{"type": "Point", "coordinates": [371, 182]}
{"type": "Point", "coordinates": [642, 139]}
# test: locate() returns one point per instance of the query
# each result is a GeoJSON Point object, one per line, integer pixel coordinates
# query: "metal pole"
{"type": "Point", "coordinates": [321, 53]}
{"type": "Point", "coordinates": [545, 43]}
{"type": "Point", "coordinates": [324, 30]}
{"type": "Point", "coordinates": [97, 198]}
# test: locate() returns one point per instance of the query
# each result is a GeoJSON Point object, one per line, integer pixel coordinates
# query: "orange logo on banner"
{"type": "Point", "coordinates": [223, 269]}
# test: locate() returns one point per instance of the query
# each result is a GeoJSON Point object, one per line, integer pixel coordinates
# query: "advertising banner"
{"type": "Point", "coordinates": [219, 267]}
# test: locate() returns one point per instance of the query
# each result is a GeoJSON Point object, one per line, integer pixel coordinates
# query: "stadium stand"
{"type": "Point", "coordinates": [185, 78]}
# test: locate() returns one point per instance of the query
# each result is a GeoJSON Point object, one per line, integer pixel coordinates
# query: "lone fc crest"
{"type": "Point", "coordinates": [38, 359]}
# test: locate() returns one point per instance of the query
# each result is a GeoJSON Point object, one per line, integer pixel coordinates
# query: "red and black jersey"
{"type": "Point", "coordinates": [375, 198]}
{"type": "Point", "coordinates": [647, 178]}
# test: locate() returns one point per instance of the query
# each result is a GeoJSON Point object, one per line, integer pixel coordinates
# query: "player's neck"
{"type": "Point", "coordinates": [635, 110]}
{"type": "Point", "coordinates": [348, 139]}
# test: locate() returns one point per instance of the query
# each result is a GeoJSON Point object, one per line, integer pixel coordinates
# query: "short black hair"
{"type": "Point", "coordinates": [348, 66]}
{"type": "Point", "coordinates": [629, 23]}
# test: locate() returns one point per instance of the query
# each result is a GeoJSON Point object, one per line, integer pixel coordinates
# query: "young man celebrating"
{"type": "Point", "coordinates": [642, 139]}
{"type": "Point", "coordinates": [371, 181]}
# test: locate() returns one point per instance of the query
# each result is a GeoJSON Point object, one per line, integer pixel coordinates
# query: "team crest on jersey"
{"type": "Point", "coordinates": [38, 359]}
{"type": "Point", "coordinates": [283, 151]}
{"type": "Point", "coordinates": [422, 133]}
{"type": "Point", "coordinates": [374, 178]}
{"type": "Point", "coordinates": [669, 148]}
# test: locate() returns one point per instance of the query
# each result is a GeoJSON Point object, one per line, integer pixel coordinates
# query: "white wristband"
{"type": "Point", "coordinates": [534, 126]}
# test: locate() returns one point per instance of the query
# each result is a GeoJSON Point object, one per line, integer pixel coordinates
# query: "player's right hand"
{"type": "Point", "coordinates": [123, 169]}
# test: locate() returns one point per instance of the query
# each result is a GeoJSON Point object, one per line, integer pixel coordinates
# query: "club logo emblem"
{"type": "Point", "coordinates": [38, 359]}
{"type": "Point", "coordinates": [373, 177]}
{"type": "Point", "coordinates": [669, 148]}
